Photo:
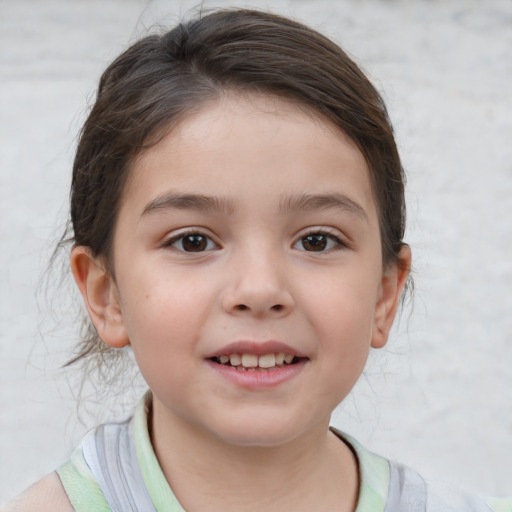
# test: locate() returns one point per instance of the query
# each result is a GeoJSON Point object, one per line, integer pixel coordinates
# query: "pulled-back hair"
{"type": "Point", "coordinates": [162, 78]}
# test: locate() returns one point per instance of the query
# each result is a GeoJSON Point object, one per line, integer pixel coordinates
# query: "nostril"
{"type": "Point", "coordinates": [277, 307]}
{"type": "Point", "coordinates": [241, 307]}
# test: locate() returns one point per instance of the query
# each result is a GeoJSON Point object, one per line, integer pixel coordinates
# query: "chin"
{"type": "Point", "coordinates": [259, 433]}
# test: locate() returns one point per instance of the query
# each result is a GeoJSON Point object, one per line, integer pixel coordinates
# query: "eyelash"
{"type": "Point", "coordinates": [328, 237]}
{"type": "Point", "coordinates": [205, 243]}
{"type": "Point", "coordinates": [170, 243]}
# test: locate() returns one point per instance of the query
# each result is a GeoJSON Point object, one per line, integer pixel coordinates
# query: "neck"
{"type": "Point", "coordinates": [315, 471]}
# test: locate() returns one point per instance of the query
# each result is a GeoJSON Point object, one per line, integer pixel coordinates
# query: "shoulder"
{"type": "Point", "coordinates": [45, 495]}
{"type": "Point", "coordinates": [388, 485]}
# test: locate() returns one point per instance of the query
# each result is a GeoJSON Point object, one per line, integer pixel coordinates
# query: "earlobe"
{"type": "Point", "coordinates": [393, 282]}
{"type": "Point", "coordinates": [100, 295]}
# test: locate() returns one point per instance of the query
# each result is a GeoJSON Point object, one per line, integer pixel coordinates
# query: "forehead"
{"type": "Point", "coordinates": [257, 143]}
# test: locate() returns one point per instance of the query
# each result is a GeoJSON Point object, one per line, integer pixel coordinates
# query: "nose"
{"type": "Point", "coordinates": [258, 287]}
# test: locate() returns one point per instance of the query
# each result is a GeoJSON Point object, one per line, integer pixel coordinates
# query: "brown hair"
{"type": "Point", "coordinates": [162, 78]}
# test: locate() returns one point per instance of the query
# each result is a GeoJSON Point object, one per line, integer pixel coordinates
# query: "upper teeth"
{"type": "Point", "coordinates": [254, 361]}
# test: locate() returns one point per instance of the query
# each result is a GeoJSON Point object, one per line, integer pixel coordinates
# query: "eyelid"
{"type": "Point", "coordinates": [169, 241]}
{"type": "Point", "coordinates": [329, 232]}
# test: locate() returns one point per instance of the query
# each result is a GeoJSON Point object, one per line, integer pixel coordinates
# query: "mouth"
{"type": "Point", "coordinates": [253, 362]}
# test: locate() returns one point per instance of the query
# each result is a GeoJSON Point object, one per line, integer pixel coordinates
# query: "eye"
{"type": "Point", "coordinates": [191, 242]}
{"type": "Point", "coordinates": [318, 242]}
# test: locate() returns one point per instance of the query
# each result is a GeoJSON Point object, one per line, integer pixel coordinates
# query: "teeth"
{"type": "Point", "coordinates": [280, 357]}
{"type": "Point", "coordinates": [249, 360]}
{"type": "Point", "coordinates": [235, 359]}
{"type": "Point", "coordinates": [267, 361]}
{"type": "Point", "coordinates": [252, 361]}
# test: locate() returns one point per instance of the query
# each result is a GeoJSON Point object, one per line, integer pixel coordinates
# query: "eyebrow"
{"type": "Point", "coordinates": [304, 202]}
{"type": "Point", "coordinates": [189, 202]}
{"type": "Point", "coordinates": [311, 202]}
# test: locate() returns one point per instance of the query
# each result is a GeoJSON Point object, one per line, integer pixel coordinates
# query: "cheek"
{"type": "Point", "coordinates": [342, 313]}
{"type": "Point", "coordinates": [164, 317]}
{"type": "Point", "coordinates": [345, 302]}
{"type": "Point", "coordinates": [162, 303]}
{"type": "Point", "coordinates": [159, 322]}
{"type": "Point", "coordinates": [160, 340]}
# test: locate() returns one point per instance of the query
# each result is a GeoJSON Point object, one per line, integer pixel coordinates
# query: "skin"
{"type": "Point", "coordinates": [247, 446]}
{"type": "Point", "coordinates": [46, 495]}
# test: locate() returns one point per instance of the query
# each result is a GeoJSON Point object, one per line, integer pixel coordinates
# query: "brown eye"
{"type": "Point", "coordinates": [318, 242]}
{"type": "Point", "coordinates": [314, 242]}
{"type": "Point", "coordinates": [192, 242]}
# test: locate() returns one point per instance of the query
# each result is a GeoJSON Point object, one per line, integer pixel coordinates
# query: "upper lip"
{"type": "Point", "coordinates": [258, 348]}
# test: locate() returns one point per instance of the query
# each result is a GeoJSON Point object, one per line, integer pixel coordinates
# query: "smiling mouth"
{"type": "Point", "coordinates": [252, 362]}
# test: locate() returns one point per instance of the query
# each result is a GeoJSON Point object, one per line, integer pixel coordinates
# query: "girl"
{"type": "Point", "coordinates": [237, 212]}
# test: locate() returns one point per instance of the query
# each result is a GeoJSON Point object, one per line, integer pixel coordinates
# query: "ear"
{"type": "Point", "coordinates": [391, 288]}
{"type": "Point", "coordinates": [100, 295]}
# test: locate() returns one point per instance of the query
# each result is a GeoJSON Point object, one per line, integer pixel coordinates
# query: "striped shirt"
{"type": "Point", "coordinates": [116, 470]}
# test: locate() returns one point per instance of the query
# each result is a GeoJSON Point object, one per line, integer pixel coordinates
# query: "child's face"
{"type": "Point", "coordinates": [250, 229]}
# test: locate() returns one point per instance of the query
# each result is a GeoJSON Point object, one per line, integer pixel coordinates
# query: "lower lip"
{"type": "Point", "coordinates": [259, 379]}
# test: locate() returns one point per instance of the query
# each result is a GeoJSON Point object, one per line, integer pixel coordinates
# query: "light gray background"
{"type": "Point", "coordinates": [439, 397]}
